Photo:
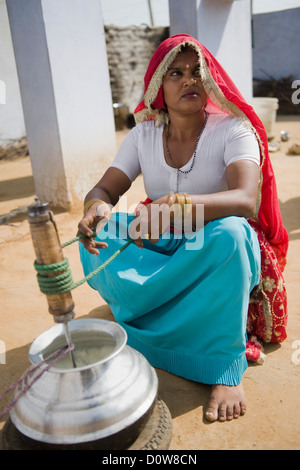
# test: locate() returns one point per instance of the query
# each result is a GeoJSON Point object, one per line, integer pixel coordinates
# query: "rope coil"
{"type": "Point", "coordinates": [61, 280]}
{"type": "Point", "coordinates": [58, 284]}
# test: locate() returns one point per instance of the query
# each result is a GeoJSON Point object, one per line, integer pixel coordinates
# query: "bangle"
{"type": "Point", "coordinates": [184, 201]}
{"type": "Point", "coordinates": [188, 205]}
{"type": "Point", "coordinates": [181, 200]}
{"type": "Point", "coordinates": [179, 210]}
{"type": "Point", "coordinates": [187, 198]}
{"type": "Point", "coordinates": [171, 201]}
{"type": "Point", "coordinates": [93, 201]}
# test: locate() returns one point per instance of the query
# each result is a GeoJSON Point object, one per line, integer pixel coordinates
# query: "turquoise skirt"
{"type": "Point", "coordinates": [183, 301]}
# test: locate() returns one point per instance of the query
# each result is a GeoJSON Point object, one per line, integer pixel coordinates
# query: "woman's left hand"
{"type": "Point", "coordinates": [150, 222]}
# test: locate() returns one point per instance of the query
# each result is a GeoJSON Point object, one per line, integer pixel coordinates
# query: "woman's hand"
{"type": "Point", "coordinates": [96, 217]}
{"type": "Point", "coordinates": [113, 184]}
{"type": "Point", "coordinates": [150, 222]}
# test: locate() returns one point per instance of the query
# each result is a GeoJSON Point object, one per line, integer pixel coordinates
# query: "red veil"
{"type": "Point", "coordinates": [267, 310]}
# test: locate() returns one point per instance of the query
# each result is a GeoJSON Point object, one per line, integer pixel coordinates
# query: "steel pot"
{"type": "Point", "coordinates": [108, 400]}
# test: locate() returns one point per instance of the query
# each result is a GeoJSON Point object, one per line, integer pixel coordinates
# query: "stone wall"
{"type": "Point", "coordinates": [276, 45]}
{"type": "Point", "coordinates": [276, 57]}
{"type": "Point", "coordinates": [129, 50]}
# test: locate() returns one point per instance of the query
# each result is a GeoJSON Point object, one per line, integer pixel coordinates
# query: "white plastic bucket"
{"type": "Point", "coordinates": [266, 109]}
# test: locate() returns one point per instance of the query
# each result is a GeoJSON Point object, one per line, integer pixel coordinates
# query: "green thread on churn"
{"type": "Point", "coordinates": [62, 281]}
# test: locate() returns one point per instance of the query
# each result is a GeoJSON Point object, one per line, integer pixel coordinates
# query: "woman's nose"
{"type": "Point", "coordinates": [190, 81]}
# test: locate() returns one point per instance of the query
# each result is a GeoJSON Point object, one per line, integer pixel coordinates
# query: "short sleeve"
{"type": "Point", "coordinates": [127, 157]}
{"type": "Point", "coordinates": [241, 144]}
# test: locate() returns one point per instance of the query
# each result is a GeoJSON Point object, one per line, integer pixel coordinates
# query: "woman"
{"type": "Point", "coordinates": [184, 298]}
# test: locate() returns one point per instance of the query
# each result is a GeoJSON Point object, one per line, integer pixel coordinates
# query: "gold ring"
{"type": "Point", "coordinates": [147, 236]}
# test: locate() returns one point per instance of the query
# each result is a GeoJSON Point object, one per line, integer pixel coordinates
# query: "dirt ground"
{"type": "Point", "coordinates": [272, 421]}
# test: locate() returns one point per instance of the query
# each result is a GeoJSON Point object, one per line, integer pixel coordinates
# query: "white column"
{"type": "Point", "coordinates": [224, 28]}
{"type": "Point", "coordinates": [63, 73]}
{"type": "Point", "coordinates": [12, 125]}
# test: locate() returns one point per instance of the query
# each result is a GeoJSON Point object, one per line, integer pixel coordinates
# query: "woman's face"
{"type": "Point", "coordinates": [182, 87]}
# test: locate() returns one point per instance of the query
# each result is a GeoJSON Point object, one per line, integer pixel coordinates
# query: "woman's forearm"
{"type": "Point", "coordinates": [224, 204]}
{"type": "Point", "coordinates": [185, 210]}
{"type": "Point", "coordinates": [98, 193]}
{"type": "Point", "coordinates": [241, 197]}
{"type": "Point", "coordinates": [113, 184]}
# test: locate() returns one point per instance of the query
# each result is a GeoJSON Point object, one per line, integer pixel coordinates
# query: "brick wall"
{"type": "Point", "coordinates": [129, 51]}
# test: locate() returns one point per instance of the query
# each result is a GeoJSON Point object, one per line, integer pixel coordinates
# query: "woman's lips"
{"type": "Point", "coordinates": [190, 94]}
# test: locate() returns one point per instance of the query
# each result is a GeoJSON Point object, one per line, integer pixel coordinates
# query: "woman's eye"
{"type": "Point", "coordinates": [175, 73]}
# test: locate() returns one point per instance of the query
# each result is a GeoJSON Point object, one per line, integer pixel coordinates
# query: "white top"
{"type": "Point", "coordinates": [223, 141]}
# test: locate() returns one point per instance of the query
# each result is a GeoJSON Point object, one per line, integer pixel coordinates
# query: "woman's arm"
{"type": "Point", "coordinates": [240, 199]}
{"type": "Point", "coordinates": [113, 184]}
{"type": "Point", "coordinates": [108, 190]}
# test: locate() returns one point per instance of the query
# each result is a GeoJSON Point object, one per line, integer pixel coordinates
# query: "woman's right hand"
{"type": "Point", "coordinates": [94, 220]}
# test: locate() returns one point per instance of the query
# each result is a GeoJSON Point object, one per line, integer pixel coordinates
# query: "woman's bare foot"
{"type": "Point", "coordinates": [226, 403]}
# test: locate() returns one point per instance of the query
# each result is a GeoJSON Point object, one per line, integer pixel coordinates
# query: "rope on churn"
{"type": "Point", "coordinates": [55, 356]}
{"type": "Point", "coordinates": [53, 286]}
{"type": "Point", "coordinates": [61, 283]}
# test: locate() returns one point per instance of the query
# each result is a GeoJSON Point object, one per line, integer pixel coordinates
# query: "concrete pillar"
{"type": "Point", "coordinates": [224, 28]}
{"type": "Point", "coordinates": [62, 65]}
{"type": "Point", "coordinates": [12, 125]}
